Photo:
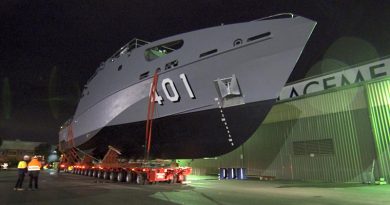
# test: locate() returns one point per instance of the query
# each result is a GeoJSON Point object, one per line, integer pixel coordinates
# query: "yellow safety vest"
{"type": "Point", "coordinates": [22, 165]}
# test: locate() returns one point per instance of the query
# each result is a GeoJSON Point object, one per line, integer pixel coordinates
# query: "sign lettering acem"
{"type": "Point", "coordinates": [346, 77]}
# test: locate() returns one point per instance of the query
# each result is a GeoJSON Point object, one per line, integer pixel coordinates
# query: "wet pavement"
{"type": "Point", "coordinates": [75, 189]}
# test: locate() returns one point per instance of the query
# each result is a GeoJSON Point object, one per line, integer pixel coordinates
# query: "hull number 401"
{"type": "Point", "coordinates": [170, 90]}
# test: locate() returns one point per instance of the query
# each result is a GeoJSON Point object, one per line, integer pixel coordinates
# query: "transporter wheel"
{"type": "Point", "coordinates": [129, 177]}
{"type": "Point", "coordinates": [121, 176]}
{"type": "Point", "coordinates": [100, 174]}
{"type": "Point", "coordinates": [181, 178]}
{"type": "Point", "coordinates": [113, 176]}
{"type": "Point", "coordinates": [106, 175]}
{"type": "Point", "coordinates": [140, 179]}
{"type": "Point", "coordinates": [173, 180]}
{"type": "Point", "coordinates": [95, 173]}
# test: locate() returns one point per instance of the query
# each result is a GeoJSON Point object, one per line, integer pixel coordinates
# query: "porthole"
{"type": "Point", "coordinates": [237, 42]}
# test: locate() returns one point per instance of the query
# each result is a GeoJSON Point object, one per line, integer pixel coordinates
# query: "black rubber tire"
{"type": "Point", "coordinates": [180, 181]}
{"type": "Point", "coordinates": [129, 177]}
{"type": "Point", "coordinates": [113, 176]}
{"type": "Point", "coordinates": [173, 180]}
{"type": "Point", "coordinates": [106, 175]}
{"type": "Point", "coordinates": [121, 176]}
{"type": "Point", "coordinates": [100, 175]}
{"type": "Point", "coordinates": [140, 180]}
{"type": "Point", "coordinates": [94, 173]}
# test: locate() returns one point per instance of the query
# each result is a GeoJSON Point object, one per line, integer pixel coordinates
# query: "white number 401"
{"type": "Point", "coordinates": [170, 90]}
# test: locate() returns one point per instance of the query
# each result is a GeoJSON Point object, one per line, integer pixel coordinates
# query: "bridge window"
{"type": "Point", "coordinates": [162, 50]}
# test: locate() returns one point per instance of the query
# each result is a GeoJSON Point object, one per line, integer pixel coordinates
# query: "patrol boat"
{"type": "Point", "coordinates": [215, 87]}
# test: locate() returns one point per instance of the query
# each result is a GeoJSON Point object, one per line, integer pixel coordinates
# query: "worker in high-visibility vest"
{"type": "Point", "coordinates": [22, 170]}
{"type": "Point", "coordinates": [33, 167]}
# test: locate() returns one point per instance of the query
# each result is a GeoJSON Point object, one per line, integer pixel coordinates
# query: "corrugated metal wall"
{"type": "Point", "coordinates": [340, 115]}
{"type": "Point", "coordinates": [378, 95]}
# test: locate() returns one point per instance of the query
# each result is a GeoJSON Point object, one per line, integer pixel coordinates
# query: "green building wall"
{"type": "Point", "coordinates": [355, 119]}
{"type": "Point", "coordinates": [378, 94]}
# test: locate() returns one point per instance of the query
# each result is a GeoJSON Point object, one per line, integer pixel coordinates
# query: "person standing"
{"type": "Point", "coordinates": [22, 170]}
{"type": "Point", "coordinates": [33, 167]}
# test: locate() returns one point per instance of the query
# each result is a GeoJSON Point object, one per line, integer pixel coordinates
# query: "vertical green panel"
{"type": "Point", "coordinates": [378, 94]}
{"type": "Point", "coordinates": [335, 115]}
{"type": "Point", "coordinates": [340, 115]}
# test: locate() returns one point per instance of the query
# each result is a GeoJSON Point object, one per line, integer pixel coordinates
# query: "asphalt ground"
{"type": "Point", "coordinates": [72, 189]}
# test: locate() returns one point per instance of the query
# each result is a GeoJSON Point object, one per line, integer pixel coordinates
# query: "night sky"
{"type": "Point", "coordinates": [49, 48]}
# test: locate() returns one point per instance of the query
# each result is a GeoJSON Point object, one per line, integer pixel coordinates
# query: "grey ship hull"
{"type": "Point", "coordinates": [169, 141]}
{"type": "Point", "coordinates": [212, 101]}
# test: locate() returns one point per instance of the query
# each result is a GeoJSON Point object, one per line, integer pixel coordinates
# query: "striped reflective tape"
{"type": "Point", "coordinates": [33, 168]}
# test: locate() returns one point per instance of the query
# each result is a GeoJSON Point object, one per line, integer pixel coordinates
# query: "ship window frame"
{"type": "Point", "coordinates": [144, 75]}
{"type": "Point", "coordinates": [171, 64]}
{"type": "Point", "coordinates": [162, 50]}
{"type": "Point", "coordinates": [259, 36]}
{"type": "Point", "coordinates": [237, 42]}
{"type": "Point", "coordinates": [208, 53]}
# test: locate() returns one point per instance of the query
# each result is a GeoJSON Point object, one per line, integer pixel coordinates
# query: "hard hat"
{"type": "Point", "coordinates": [26, 157]}
{"type": "Point", "coordinates": [35, 157]}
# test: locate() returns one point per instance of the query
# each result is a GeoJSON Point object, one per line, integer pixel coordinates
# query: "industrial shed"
{"type": "Point", "coordinates": [334, 127]}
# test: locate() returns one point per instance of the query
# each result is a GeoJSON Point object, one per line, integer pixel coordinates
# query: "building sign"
{"type": "Point", "coordinates": [346, 77]}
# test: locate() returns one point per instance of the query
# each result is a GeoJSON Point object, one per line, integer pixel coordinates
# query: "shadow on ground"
{"type": "Point", "coordinates": [320, 185]}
